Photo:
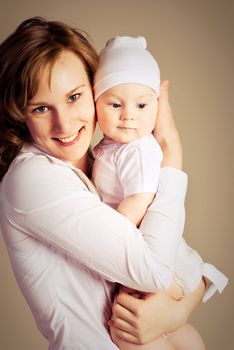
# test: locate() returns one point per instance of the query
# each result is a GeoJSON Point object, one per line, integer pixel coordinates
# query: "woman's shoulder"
{"type": "Point", "coordinates": [35, 178]}
{"type": "Point", "coordinates": [30, 165]}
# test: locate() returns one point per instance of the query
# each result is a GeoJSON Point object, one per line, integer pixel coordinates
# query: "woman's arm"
{"type": "Point", "coordinates": [62, 213]}
{"type": "Point", "coordinates": [140, 321]}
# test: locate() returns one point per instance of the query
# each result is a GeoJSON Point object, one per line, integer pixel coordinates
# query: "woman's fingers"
{"type": "Point", "coordinates": [122, 325]}
{"type": "Point", "coordinates": [164, 122]}
{"type": "Point", "coordinates": [124, 311]}
{"type": "Point", "coordinates": [119, 312]}
{"type": "Point", "coordinates": [164, 98]}
{"type": "Point", "coordinates": [128, 302]}
{"type": "Point", "coordinates": [166, 132]}
{"type": "Point", "coordinates": [119, 335]}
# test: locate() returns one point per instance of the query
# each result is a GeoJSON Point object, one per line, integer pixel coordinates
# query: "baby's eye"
{"type": "Point", "coordinates": [40, 109]}
{"type": "Point", "coordinates": [141, 105]}
{"type": "Point", "coordinates": [74, 98]}
{"type": "Point", "coordinates": [116, 105]}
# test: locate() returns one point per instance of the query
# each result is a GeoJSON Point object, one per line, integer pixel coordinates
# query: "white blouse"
{"type": "Point", "coordinates": [67, 247]}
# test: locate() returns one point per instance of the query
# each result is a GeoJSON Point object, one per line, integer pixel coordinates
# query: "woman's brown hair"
{"type": "Point", "coordinates": [36, 43]}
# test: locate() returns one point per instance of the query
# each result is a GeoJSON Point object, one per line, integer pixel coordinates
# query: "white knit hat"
{"type": "Point", "coordinates": [125, 60]}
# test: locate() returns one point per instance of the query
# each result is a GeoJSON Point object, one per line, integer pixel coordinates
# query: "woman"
{"type": "Point", "coordinates": [67, 247]}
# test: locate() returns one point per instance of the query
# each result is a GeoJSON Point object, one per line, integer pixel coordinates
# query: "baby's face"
{"type": "Point", "coordinates": [127, 112]}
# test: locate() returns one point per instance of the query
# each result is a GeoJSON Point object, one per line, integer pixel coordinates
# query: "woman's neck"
{"type": "Point", "coordinates": [84, 165]}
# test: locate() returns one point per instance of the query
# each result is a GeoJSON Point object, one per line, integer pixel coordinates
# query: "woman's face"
{"type": "Point", "coordinates": [61, 116]}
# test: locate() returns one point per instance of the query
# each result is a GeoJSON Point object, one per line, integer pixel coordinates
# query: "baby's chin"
{"type": "Point", "coordinates": [125, 138]}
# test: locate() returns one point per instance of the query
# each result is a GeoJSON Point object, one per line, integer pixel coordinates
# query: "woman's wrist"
{"type": "Point", "coordinates": [172, 154]}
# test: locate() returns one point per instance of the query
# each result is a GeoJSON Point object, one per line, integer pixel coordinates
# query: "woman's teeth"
{"type": "Point", "coordinates": [69, 139]}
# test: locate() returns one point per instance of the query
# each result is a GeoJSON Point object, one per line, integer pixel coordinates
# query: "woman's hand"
{"type": "Point", "coordinates": [166, 132]}
{"type": "Point", "coordinates": [140, 321]}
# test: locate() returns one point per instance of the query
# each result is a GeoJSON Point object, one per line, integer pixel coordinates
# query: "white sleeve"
{"type": "Point", "coordinates": [61, 212]}
{"type": "Point", "coordinates": [138, 165]}
{"type": "Point", "coordinates": [190, 268]}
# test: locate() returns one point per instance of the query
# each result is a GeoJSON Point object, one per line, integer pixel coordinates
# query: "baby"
{"type": "Point", "coordinates": [128, 158]}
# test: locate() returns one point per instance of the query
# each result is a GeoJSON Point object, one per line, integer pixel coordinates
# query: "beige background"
{"type": "Point", "coordinates": [193, 43]}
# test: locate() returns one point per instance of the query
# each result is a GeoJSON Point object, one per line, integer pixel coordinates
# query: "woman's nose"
{"type": "Point", "coordinates": [62, 121]}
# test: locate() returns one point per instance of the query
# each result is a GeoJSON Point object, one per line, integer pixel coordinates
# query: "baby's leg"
{"type": "Point", "coordinates": [186, 338]}
{"type": "Point", "coordinates": [158, 344]}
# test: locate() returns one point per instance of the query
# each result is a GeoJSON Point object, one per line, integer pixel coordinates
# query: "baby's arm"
{"type": "Point", "coordinates": [134, 207]}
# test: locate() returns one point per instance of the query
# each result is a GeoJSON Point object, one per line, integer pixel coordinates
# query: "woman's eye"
{"type": "Point", "coordinates": [141, 105]}
{"type": "Point", "coordinates": [40, 109]}
{"type": "Point", "coordinates": [74, 98]}
{"type": "Point", "coordinates": [116, 105]}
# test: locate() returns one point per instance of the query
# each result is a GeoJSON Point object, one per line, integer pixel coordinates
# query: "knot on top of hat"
{"type": "Point", "coordinates": [126, 41]}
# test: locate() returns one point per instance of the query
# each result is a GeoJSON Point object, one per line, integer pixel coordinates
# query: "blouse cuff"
{"type": "Point", "coordinates": [215, 281]}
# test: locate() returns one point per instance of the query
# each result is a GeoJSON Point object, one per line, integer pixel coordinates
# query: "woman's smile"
{"type": "Point", "coordinates": [70, 140]}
